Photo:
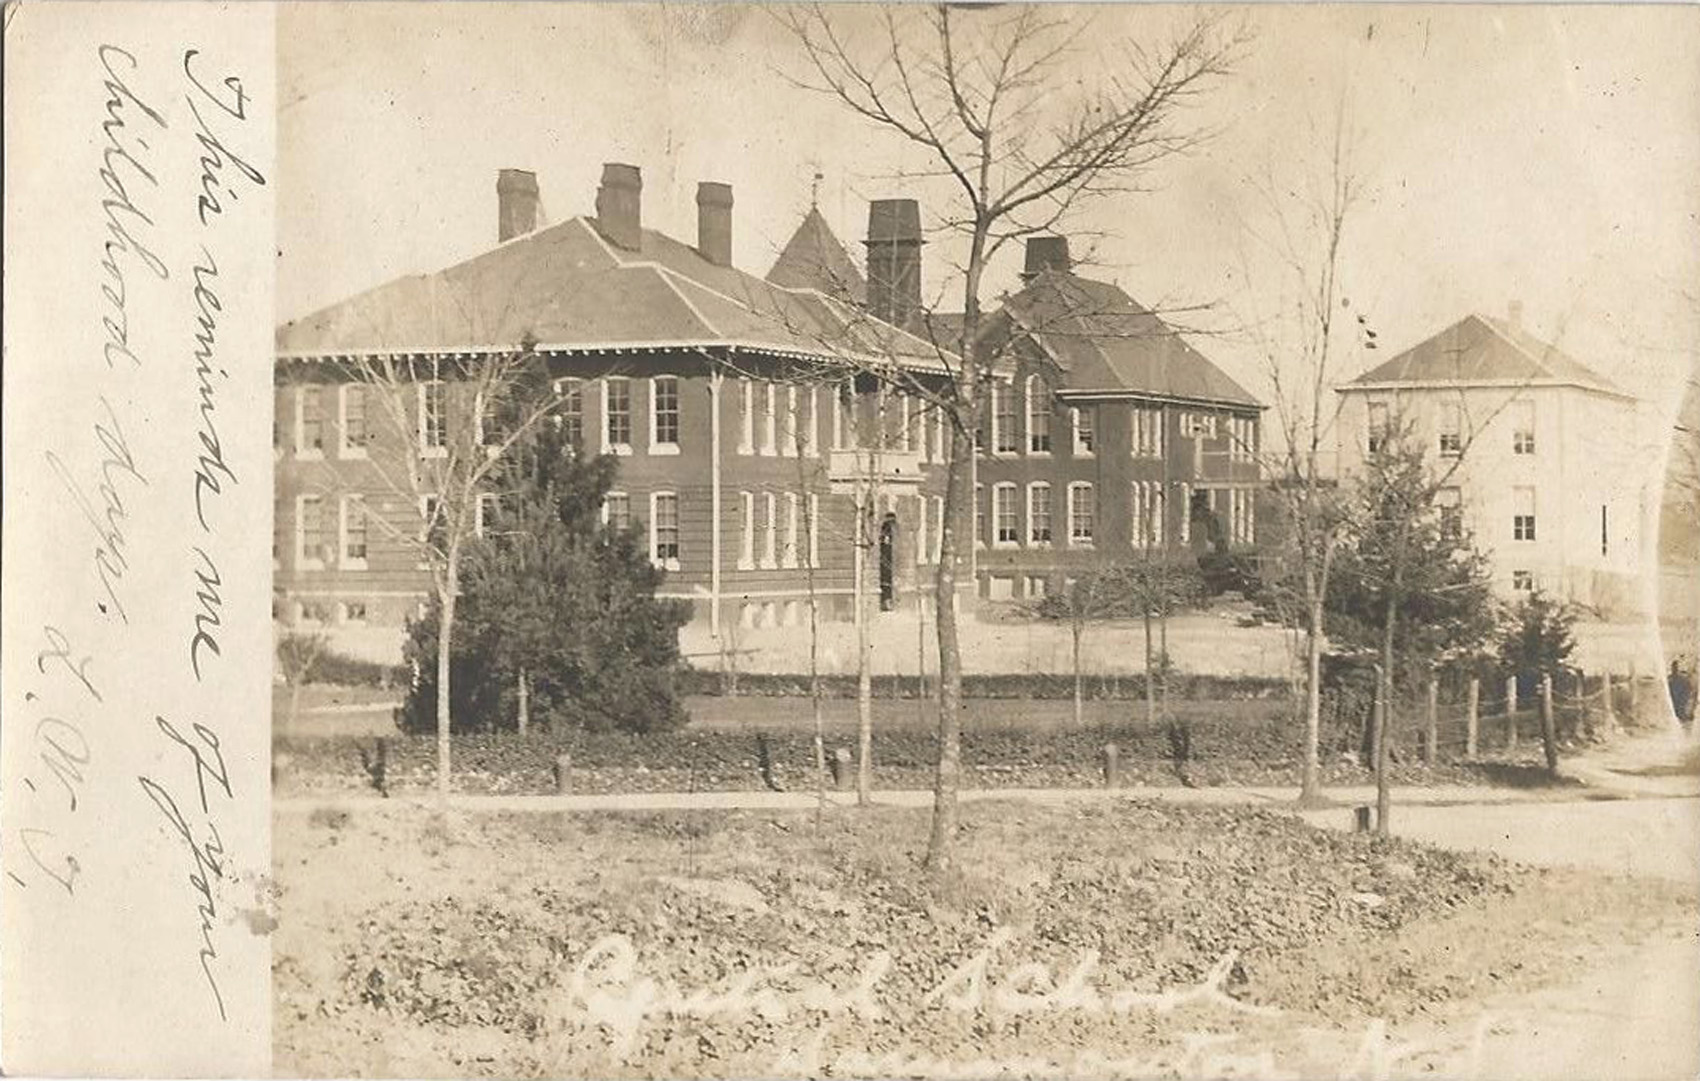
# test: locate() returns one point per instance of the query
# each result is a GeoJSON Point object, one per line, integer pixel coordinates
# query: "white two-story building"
{"type": "Point", "coordinates": [1541, 453]}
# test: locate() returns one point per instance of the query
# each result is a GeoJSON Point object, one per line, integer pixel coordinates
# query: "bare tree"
{"type": "Point", "coordinates": [1302, 353]}
{"type": "Point", "coordinates": [449, 425]}
{"type": "Point", "coordinates": [995, 102]}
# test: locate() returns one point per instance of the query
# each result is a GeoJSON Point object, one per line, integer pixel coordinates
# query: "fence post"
{"type": "Point", "coordinates": [1431, 732]}
{"type": "Point", "coordinates": [563, 775]}
{"type": "Point", "coordinates": [1549, 738]}
{"type": "Point", "coordinates": [1634, 693]}
{"type": "Point", "coordinates": [524, 701]}
{"type": "Point", "coordinates": [1511, 712]}
{"type": "Point", "coordinates": [1611, 707]}
{"type": "Point", "coordinates": [1112, 766]}
{"type": "Point", "coordinates": [1472, 719]}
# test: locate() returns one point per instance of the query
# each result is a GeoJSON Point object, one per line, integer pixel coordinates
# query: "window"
{"type": "Point", "coordinates": [617, 510]}
{"type": "Point", "coordinates": [1039, 513]}
{"type": "Point", "coordinates": [814, 529]}
{"type": "Point", "coordinates": [433, 420]}
{"type": "Point", "coordinates": [1035, 587]}
{"type": "Point", "coordinates": [770, 549]}
{"type": "Point", "coordinates": [1377, 427]}
{"type": "Point", "coordinates": [1242, 433]}
{"type": "Point", "coordinates": [1147, 507]}
{"type": "Point", "coordinates": [1523, 514]}
{"type": "Point", "coordinates": [791, 433]}
{"type": "Point", "coordinates": [569, 411]}
{"type": "Point", "coordinates": [664, 529]}
{"type": "Point", "coordinates": [431, 524]}
{"type": "Point", "coordinates": [1201, 425]}
{"type": "Point", "coordinates": [312, 540]}
{"type": "Point", "coordinates": [1186, 513]}
{"type": "Point", "coordinates": [664, 414]}
{"type": "Point", "coordinates": [793, 508]}
{"type": "Point", "coordinates": [1523, 427]}
{"type": "Point", "coordinates": [746, 416]}
{"type": "Point", "coordinates": [747, 541]}
{"type": "Point", "coordinates": [939, 421]}
{"type": "Point", "coordinates": [1084, 422]}
{"type": "Point", "coordinates": [843, 402]}
{"type": "Point", "coordinates": [354, 611]}
{"type": "Point", "coordinates": [353, 529]}
{"type": "Point", "coordinates": [617, 415]}
{"type": "Point", "coordinates": [979, 515]}
{"type": "Point", "coordinates": [1451, 430]}
{"type": "Point", "coordinates": [497, 416]}
{"type": "Point", "coordinates": [1003, 515]}
{"type": "Point", "coordinates": [315, 612]}
{"type": "Point", "coordinates": [484, 514]}
{"type": "Point", "coordinates": [769, 418]}
{"type": "Point", "coordinates": [1000, 588]}
{"type": "Point", "coordinates": [1006, 439]}
{"type": "Point", "coordinates": [1523, 581]}
{"type": "Point", "coordinates": [1450, 503]}
{"type": "Point", "coordinates": [922, 548]}
{"type": "Point", "coordinates": [1082, 513]}
{"type": "Point", "coordinates": [1147, 431]}
{"type": "Point", "coordinates": [351, 420]}
{"type": "Point", "coordinates": [1038, 416]}
{"type": "Point", "coordinates": [938, 528]}
{"type": "Point", "coordinates": [309, 423]}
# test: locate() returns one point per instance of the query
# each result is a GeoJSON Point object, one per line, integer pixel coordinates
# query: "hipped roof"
{"type": "Point", "coordinates": [565, 288]}
{"type": "Point", "coordinates": [1104, 341]}
{"type": "Point", "coordinates": [1479, 349]}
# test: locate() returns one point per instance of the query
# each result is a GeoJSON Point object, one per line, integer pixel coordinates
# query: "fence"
{"type": "Point", "coordinates": [1506, 716]}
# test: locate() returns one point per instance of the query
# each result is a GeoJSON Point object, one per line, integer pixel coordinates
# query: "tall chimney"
{"type": "Point", "coordinates": [894, 260]}
{"type": "Point", "coordinates": [516, 203]}
{"type": "Point", "coordinates": [1045, 253]}
{"type": "Point", "coordinates": [714, 222]}
{"type": "Point", "coordinates": [619, 205]}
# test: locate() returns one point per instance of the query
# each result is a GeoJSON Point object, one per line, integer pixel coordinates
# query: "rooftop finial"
{"type": "Point", "coordinates": [814, 190]}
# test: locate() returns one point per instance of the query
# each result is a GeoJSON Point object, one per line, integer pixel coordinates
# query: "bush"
{"type": "Point", "coordinates": [1034, 685]}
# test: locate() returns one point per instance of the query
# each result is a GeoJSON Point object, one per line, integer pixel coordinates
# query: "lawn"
{"type": "Point", "coordinates": [741, 944]}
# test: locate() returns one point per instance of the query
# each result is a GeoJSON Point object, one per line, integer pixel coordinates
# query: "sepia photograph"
{"type": "Point", "coordinates": [984, 540]}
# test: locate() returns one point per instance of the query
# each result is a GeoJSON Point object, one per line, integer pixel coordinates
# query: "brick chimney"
{"type": "Point", "coordinates": [516, 203]}
{"type": "Point", "coordinates": [1045, 253]}
{"type": "Point", "coordinates": [714, 222]}
{"type": "Point", "coordinates": [619, 206]}
{"type": "Point", "coordinates": [894, 260]}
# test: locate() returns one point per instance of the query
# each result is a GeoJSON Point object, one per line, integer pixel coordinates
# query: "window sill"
{"type": "Point", "coordinates": [1006, 544]}
{"type": "Point", "coordinates": [746, 448]}
{"type": "Point", "coordinates": [1077, 543]}
{"type": "Point", "coordinates": [1078, 453]}
{"type": "Point", "coordinates": [352, 454]}
{"type": "Point", "coordinates": [1036, 543]}
{"type": "Point", "coordinates": [665, 564]}
{"type": "Point", "coordinates": [670, 450]}
{"type": "Point", "coordinates": [746, 564]}
{"type": "Point", "coordinates": [309, 455]}
{"type": "Point", "coordinates": [618, 450]}
{"type": "Point", "coordinates": [1038, 453]}
{"type": "Point", "coordinates": [433, 452]}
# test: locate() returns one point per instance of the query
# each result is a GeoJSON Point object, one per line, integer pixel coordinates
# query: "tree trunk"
{"type": "Point", "coordinates": [864, 662]}
{"type": "Point", "coordinates": [524, 691]}
{"type": "Point", "coordinates": [1310, 785]}
{"type": "Point", "coordinates": [1383, 792]}
{"type": "Point", "coordinates": [1079, 692]}
{"type": "Point", "coordinates": [947, 777]}
{"type": "Point", "coordinates": [1383, 798]}
{"type": "Point", "coordinates": [1150, 674]}
{"type": "Point", "coordinates": [445, 638]}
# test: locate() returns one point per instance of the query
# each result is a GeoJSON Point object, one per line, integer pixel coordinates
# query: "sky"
{"type": "Point", "coordinates": [1542, 154]}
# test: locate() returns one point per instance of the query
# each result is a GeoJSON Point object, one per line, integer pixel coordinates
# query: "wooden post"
{"type": "Point", "coordinates": [381, 767]}
{"type": "Point", "coordinates": [1472, 719]}
{"type": "Point", "coordinates": [1431, 731]}
{"type": "Point", "coordinates": [563, 775]}
{"type": "Point", "coordinates": [1634, 693]}
{"type": "Point", "coordinates": [1361, 818]}
{"type": "Point", "coordinates": [841, 768]}
{"type": "Point", "coordinates": [1112, 766]}
{"type": "Point", "coordinates": [524, 702]}
{"type": "Point", "coordinates": [1549, 738]}
{"type": "Point", "coordinates": [1611, 709]}
{"type": "Point", "coordinates": [1383, 791]}
{"type": "Point", "coordinates": [1511, 712]}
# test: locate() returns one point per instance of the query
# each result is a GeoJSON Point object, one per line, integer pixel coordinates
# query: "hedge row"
{"type": "Point", "coordinates": [1201, 752]}
{"type": "Point", "coordinates": [1015, 685]}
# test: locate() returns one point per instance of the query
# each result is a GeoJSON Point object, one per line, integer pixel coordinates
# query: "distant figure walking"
{"type": "Point", "coordinates": [1681, 693]}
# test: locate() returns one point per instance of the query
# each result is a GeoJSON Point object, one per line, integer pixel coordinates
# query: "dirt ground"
{"type": "Point", "coordinates": [1137, 940]}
